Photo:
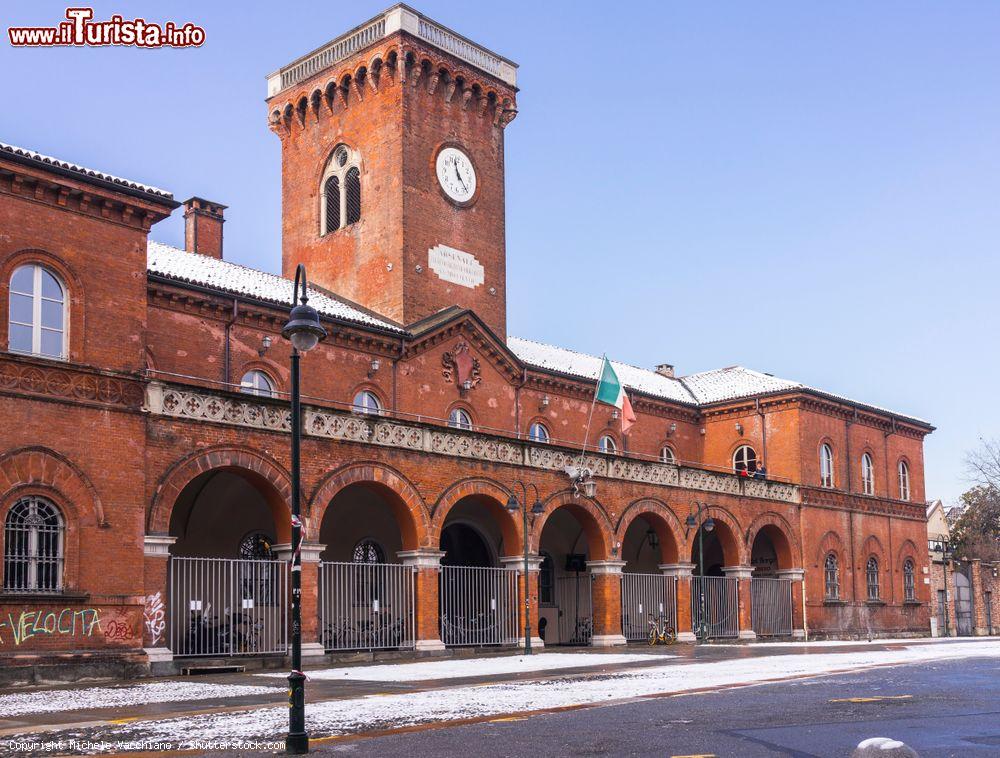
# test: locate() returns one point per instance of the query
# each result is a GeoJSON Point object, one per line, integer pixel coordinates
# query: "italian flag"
{"type": "Point", "coordinates": [611, 392]}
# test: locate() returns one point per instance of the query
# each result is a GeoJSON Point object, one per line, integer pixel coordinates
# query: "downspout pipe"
{"type": "Point", "coordinates": [227, 355]}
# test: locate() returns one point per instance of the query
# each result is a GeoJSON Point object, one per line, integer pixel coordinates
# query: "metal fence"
{"type": "Point", "coordinates": [478, 606]}
{"type": "Point", "coordinates": [771, 606]}
{"type": "Point", "coordinates": [646, 596]}
{"type": "Point", "coordinates": [224, 606]}
{"type": "Point", "coordinates": [366, 606]}
{"type": "Point", "coordinates": [715, 606]}
{"type": "Point", "coordinates": [576, 615]}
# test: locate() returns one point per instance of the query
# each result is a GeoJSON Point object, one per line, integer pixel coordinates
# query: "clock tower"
{"type": "Point", "coordinates": [392, 140]}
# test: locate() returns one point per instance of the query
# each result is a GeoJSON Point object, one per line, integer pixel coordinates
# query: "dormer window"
{"type": "Point", "coordinates": [340, 190]}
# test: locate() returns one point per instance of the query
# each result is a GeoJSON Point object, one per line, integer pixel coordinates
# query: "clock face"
{"type": "Point", "coordinates": [456, 175]}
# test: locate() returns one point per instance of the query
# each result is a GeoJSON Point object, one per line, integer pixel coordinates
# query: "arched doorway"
{"type": "Point", "coordinates": [647, 593]}
{"type": "Point", "coordinates": [478, 597]}
{"type": "Point", "coordinates": [228, 591]}
{"type": "Point", "coordinates": [770, 592]}
{"type": "Point", "coordinates": [714, 595]}
{"type": "Point", "coordinates": [366, 593]}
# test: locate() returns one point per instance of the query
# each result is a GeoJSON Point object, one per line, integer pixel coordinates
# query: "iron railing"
{"type": "Point", "coordinates": [478, 606]}
{"type": "Point", "coordinates": [645, 597]}
{"type": "Point", "coordinates": [224, 606]}
{"type": "Point", "coordinates": [366, 606]}
{"type": "Point", "coordinates": [715, 606]}
{"type": "Point", "coordinates": [771, 606]}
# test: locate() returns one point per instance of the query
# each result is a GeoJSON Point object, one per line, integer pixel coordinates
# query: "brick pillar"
{"type": "Point", "coordinates": [797, 577]}
{"type": "Point", "coordinates": [312, 644]}
{"type": "Point", "coordinates": [156, 620]}
{"type": "Point", "coordinates": [978, 598]}
{"type": "Point", "coordinates": [606, 596]}
{"type": "Point", "coordinates": [534, 562]}
{"type": "Point", "coordinates": [743, 574]}
{"type": "Point", "coordinates": [682, 572]}
{"type": "Point", "coordinates": [427, 564]}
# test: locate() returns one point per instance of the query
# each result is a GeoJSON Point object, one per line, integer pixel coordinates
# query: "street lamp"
{"type": "Point", "coordinates": [692, 522]}
{"type": "Point", "coordinates": [304, 331]}
{"type": "Point", "coordinates": [514, 505]}
{"type": "Point", "coordinates": [943, 546]}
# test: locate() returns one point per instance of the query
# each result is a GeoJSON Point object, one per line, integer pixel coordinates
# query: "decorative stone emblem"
{"type": "Point", "coordinates": [461, 367]}
{"type": "Point", "coordinates": [456, 266]}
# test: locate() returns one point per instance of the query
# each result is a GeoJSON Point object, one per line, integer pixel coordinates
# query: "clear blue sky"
{"type": "Point", "coordinates": [809, 189]}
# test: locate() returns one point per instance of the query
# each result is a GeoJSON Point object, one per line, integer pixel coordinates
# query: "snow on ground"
{"type": "Point", "coordinates": [457, 668]}
{"type": "Point", "coordinates": [374, 712]}
{"type": "Point", "coordinates": [51, 701]}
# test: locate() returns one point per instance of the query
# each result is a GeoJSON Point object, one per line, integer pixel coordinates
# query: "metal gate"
{"type": "Point", "coordinates": [366, 606]}
{"type": "Point", "coordinates": [963, 605]}
{"type": "Point", "coordinates": [988, 607]}
{"type": "Point", "coordinates": [646, 596]}
{"type": "Point", "coordinates": [576, 615]}
{"type": "Point", "coordinates": [478, 606]}
{"type": "Point", "coordinates": [715, 606]}
{"type": "Point", "coordinates": [224, 606]}
{"type": "Point", "coordinates": [771, 606]}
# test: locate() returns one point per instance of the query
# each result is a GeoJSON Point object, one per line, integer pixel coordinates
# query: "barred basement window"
{"type": "Point", "coordinates": [909, 581]}
{"type": "Point", "coordinates": [825, 465]}
{"type": "Point", "coordinates": [867, 475]}
{"type": "Point", "coordinates": [871, 577]}
{"type": "Point", "coordinates": [33, 547]}
{"type": "Point", "coordinates": [831, 573]}
{"type": "Point", "coordinates": [340, 199]}
{"type": "Point", "coordinates": [745, 459]}
{"type": "Point", "coordinates": [37, 314]}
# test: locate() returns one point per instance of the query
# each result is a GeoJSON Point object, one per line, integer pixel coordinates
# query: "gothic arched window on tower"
{"type": "Point", "coordinates": [341, 190]}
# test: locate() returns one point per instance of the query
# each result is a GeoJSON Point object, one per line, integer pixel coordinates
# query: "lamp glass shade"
{"type": "Point", "coordinates": [589, 487]}
{"type": "Point", "coordinates": [709, 524]}
{"type": "Point", "coordinates": [691, 522]}
{"type": "Point", "coordinates": [303, 328]}
{"type": "Point", "coordinates": [512, 504]}
{"type": "Point", "coordinates": [305, 341]}
{"type": "Point", "coordinates": [537, 508]}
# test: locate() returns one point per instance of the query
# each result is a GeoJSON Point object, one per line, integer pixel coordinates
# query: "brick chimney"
{"type": "Point", "coordinates": [203, 227]}
{"type": "Point", "coordinates": [665, 369]}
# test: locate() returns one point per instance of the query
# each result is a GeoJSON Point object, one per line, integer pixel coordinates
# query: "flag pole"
{"type": "Point", "coordinates": [590, 417]}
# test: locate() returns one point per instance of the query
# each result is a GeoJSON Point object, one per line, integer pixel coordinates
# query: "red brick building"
{"type": "Point", "coordinates": [144, 462]}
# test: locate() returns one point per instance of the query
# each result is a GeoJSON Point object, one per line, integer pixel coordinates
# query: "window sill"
{"type": "Point", "coordinates": [70, 596]}
{"type": "Point", "coordinates": [833, 601]}
{"type": "Point", "coordinates": [913, 602]}
{"type": "Point", "coordinates": [875, 602]}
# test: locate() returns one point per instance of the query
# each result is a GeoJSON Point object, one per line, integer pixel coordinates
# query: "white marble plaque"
{"type": "Point", "coordinates": [456, 266]}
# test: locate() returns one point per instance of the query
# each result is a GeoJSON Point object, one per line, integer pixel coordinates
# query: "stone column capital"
{"type": "Point", "coordinates": [738, 572]}
{"type": "Point", "coordinates": [605, 567]}
{"type": "Point", "coordinates": [796, 575]}
{"type": "Point", "coordinates": [310, 551]}
{"type": "Point", "coordinates": [422, 558]}
{"type": "Point", "coordinates": [680, 570]}
{"type": "Point", "coordinates": [157, 545]}
{"type": "Point", "coordinates": [517, 562]}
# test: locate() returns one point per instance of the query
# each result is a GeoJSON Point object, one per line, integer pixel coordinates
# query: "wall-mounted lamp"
{"type": "Point", "coordinates": [672, 428]}
{"type": "Point", "coordinates": [739, 428]}
{"type": "Point", "coordinates": [614, 416]}
{"type": "Point", "coordinates": [265, 343]}
{"type": "Point", "coordinates": [465, 387]}
{"type": "Point", "coordinates": [373, 367]}
{"type": "Point", "coordinates": [543, 403]}
{"type": "Point", "coordinates": [652, 538]}
{"type": "Point", "coordinates": [702, 431]}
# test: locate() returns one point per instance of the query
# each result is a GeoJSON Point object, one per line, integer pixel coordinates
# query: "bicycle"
{"type": "Point", "coordinates": [660, 632]}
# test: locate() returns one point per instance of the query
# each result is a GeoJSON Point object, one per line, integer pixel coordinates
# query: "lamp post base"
{"type": "Point", "coordinates": [297, 744]}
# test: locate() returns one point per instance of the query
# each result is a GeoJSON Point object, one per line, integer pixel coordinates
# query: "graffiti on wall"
{"type": "Point", "coordinates": [155, 617]}
{"type": "Point", "coordinates": [68, 622]}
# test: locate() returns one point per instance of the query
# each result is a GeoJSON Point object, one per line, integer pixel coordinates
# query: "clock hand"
{"type": "Point", "coordinates": [459, 175]}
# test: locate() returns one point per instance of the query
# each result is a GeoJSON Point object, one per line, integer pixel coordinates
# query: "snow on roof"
{"type": "Point", "coordinates": [170, 262]}
{"type": "Point", "coordinates": [705, 388]}
{"type": "Point", "coordinates": [49, 160]}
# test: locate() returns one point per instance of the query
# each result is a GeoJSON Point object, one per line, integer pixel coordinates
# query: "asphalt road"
{"type": "Point", "coordinates": [941, 709]}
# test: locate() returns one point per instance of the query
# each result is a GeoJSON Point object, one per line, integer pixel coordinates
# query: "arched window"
{"type": "Point", "coordinates": [607, 444]}
{"type": "Point", "coordinates": [33, 547]}
{"type": "Point", "coordinates": [867, 475]}
{"type": "Point", "coordinates": [831, 573]}
{"type": "Point", "coordinates": [745, 459]}
{"type": "Point", "coordinates": [368, 551]}
{"type": "Point", "coordinates": [37, 318]}
{"type": "Point", "coordinates": [546, 580]}
{"type": "Point", "coordinates": [256, 382]}
{"type": "Point", "coordinates": [367, 402]}
{"type": "Point", "coordinates": [825, 465]}
{"type": "Point", "coordinates": [904, 481]}
{"type": "Point", "coordinates": [256, 546]}
{"type": "Point", "coordinates": [341, 195]}
{"type": "Point", "coordinates": [909, 581]}
{"type": "Point", "coordinates": [459, 418]}
{"type": "Point", "coordinates": [667, 455]}
{"type": "Point", "coordinates": [871, 578]}
{"type": "Point", "coordinates": [538, 432]}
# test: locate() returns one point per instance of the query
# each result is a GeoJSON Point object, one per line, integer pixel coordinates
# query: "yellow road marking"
{"type": "Point", "coordinates": [870, 699]}
{"type": "Point", "coordinates": [125, 720]}
{"type": "Point", "coordinates": [510, 718]}
{"type": "Point", "coordinates": [699, 755]}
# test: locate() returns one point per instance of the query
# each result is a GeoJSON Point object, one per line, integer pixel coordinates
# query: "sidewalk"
{"type": "Point", "coordinates": [346, 700]}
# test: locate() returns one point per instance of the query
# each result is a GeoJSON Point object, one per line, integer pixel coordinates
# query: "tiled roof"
{"type": "Point", "coordinates": [89, 172]}
{"type": "Point", "coordinates": [206, 271]}
{"type": "Point", "coordinates": [705, 388]}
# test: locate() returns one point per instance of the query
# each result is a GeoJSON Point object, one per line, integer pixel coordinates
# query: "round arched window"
{"type": "Point", "coordinates": [368, 551]}
{"type": "Point", "coordinates": [867, 474]}
{"type": "Point", "coordinates": [607, 444]}
{"type": "Point", "coordinates": [538, 432]}
{"type": "Point", "coordinates": [33, 547]}
{"type": "Point", "coordinates": [904, 481]}
{"type": "Point", "coordinates": [832, 576]}
{"type": "Point", "coordinates": [459, 418]}
{"type": "Point", "coordinates": [37, 318]}
{"type": "Point", "coordinates": [871, 578]}
{"type": "Point", "coordinates": [745, 459]}
{"type": "Point", "coordinates": [367, 402]}
{"type": "Point", "coordinates": [256, 382]}
{"type": "Point", "coordinates": [256, 546]}
{"type": "Point", "coordinates": [667, 455]}
{"type": "Point", "coordinates": [909, 580]}
{"type": "Point", "coordinates": [825, 465]}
